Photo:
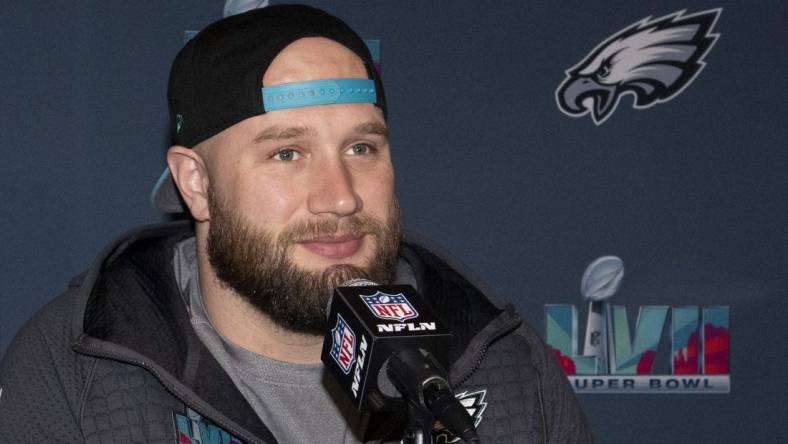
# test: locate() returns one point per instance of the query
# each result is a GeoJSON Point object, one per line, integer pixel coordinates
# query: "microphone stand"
{"type": "Point", "coordinates": [420, 378]}
{"type": "Point", "coordinates": [420, 424]}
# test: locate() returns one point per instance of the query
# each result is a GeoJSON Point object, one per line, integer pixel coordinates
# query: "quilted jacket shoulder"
{"type": "Point", "coordinates": [43, 385]}
{"type": "Point", "coordinates": [135, 369]}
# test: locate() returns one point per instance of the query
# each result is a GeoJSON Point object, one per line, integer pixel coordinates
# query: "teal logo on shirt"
{"type": "Point", "coordinates": [192, 428]}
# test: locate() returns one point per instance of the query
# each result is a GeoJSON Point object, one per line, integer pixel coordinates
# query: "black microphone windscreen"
{"type": "Point", "coordinates": [358, 282]}
{"type": "Point", "coordinates": [355, 282]}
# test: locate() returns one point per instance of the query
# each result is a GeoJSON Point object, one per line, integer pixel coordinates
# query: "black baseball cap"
{"type": "Point", "coordinates": [216, 79]}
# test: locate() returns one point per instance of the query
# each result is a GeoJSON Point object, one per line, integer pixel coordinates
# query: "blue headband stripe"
{"type": "Point", "coordinates": [318, 92]}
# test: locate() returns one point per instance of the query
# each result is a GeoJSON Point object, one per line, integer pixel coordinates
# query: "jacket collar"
{"type": "Point", "coordinates": [131, 310]}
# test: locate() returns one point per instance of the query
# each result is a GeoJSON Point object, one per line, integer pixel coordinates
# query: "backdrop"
{"type": "Point", "coordinates": [499, 166]}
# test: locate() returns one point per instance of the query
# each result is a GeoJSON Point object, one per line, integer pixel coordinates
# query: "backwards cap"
{"type": "Point", "coordinates": [216, 79]}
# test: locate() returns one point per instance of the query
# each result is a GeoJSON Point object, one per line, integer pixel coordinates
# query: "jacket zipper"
{"type": "Point", "coordinates": [475, 366]}
{"type": "Point", "coordinates": [107, 355]}
{"type": "Point", "coordinates": [508, 326]}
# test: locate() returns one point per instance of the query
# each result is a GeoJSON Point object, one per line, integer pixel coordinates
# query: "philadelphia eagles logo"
{"type": "Point", "coordinates": [474, 404]}
{"type": "Point", "coordinates": [653, 60]}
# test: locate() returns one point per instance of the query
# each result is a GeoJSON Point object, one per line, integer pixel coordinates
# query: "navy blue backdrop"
{"type": "Point", "coordinates": [690, 193]}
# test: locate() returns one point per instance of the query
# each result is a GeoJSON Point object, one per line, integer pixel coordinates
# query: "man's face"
{"type": "Point", "coordinates": [303, 199]}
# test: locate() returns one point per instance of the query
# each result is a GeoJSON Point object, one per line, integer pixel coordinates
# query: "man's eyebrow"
{"type": "Point", "coordinates": [372, 127]}
{"type": "Point", "coordinates": [280, 133]}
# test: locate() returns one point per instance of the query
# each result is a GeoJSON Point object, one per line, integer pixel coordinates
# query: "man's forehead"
{"type": "Point", "coordinates": [358, 119]}
{"type": "Point", "coordinates": [282, 132]}
{"type": "Point", "coordinates": [314, 58]}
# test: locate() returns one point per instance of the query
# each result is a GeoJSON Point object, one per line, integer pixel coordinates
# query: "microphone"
{"type": "Point", "coordinates": [388, 351]}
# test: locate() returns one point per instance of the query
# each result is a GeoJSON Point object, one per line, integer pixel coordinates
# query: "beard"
{"type": "Point", "coordinates": [257, 265]}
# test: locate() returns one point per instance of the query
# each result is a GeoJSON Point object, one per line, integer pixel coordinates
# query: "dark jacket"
{"type": "Point", "coordinates": [115, 359]}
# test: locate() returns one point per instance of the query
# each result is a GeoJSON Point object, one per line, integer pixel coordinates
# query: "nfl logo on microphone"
{"type": "Point", "coordinates": [394, 307]}
{"type": "Point", "coordinates": [343, 348]}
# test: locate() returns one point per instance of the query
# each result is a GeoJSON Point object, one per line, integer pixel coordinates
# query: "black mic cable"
{"type": "Point", "coordinates": [420, 378]}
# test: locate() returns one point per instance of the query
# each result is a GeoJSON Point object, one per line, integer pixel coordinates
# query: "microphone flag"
{"type": "Point", "coordinates": [367, 325]}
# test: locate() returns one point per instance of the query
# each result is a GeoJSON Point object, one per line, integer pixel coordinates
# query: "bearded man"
{"type": "Point", "coordinates": [211, 329]}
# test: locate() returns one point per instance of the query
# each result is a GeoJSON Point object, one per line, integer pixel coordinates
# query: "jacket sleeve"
{"type": "Point", "coordinates": [564, 420]}
{"type": "Point", "coordinates": [39, 383]}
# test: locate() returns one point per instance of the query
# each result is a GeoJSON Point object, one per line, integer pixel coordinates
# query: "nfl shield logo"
{"type": "Point", "coordinates": [393, 307]}
{"type": "Point", "coordinates": [343, 348]}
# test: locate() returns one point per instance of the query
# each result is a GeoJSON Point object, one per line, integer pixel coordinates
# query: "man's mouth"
{"type": "Point", "coordinates": [334, 247]}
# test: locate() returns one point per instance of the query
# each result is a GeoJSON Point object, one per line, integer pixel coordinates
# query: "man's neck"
{"type": "Point", "coordinates": [242, 324]}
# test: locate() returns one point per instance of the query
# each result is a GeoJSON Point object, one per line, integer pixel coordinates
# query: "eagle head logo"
{"type": "Point", "coordinates": [653, 60]}
{"type": "Point", "coordinates": [474, 404]}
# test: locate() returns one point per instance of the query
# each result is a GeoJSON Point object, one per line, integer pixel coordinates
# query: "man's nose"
{"type": "Point", "coordinates": [332, 191]}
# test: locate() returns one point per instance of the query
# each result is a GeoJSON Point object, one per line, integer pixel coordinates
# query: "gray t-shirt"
{"type": "Point", "coordinates": [298, 402]}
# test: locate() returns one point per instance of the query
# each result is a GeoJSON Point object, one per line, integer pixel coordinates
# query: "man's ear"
{"type": "Point", "coordinates": [190, 174]}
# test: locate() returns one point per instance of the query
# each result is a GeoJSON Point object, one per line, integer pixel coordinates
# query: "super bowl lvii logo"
{"type": "Point", "coordinates": [613, 361]}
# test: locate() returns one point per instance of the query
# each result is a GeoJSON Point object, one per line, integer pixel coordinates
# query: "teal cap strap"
{"type": "Point", "coordinates": [318, 92]}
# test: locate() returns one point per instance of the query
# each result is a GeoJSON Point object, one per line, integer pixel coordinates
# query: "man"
{"type": "Point", "coordinates": [211, 329]}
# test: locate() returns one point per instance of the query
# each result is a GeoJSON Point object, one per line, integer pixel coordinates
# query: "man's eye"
{"type": "Point", "coordinates": [285, 155]}
{"type": "Point", "coordinates": [359, 149]}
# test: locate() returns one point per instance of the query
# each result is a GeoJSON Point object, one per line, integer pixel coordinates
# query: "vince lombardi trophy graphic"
{"type": "Point", "coordinates": [232, 7]}
{"type": "Point", "coordinates": [600, 282]}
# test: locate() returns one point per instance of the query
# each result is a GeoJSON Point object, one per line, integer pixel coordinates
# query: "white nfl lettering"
{"type": "Point", "coordinates": [410, 326]}
{"type": "Point", "coordinates": [423, 326]}
{"type": "Point", "coordinates": [362, 353]}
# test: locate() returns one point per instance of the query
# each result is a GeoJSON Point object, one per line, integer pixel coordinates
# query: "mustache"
{"type": "Point", "coordinates": [356, 225]}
